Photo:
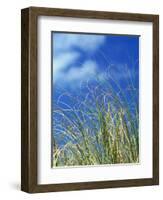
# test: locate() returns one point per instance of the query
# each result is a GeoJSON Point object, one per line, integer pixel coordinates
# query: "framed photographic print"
{"type": "Point", "coordinates": [90, 99]}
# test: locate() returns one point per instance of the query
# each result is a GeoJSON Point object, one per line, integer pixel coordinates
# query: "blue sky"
{"type": "Point", "coordinates": [79, 60]}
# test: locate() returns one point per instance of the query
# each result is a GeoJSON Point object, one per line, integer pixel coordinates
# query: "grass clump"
{"type": "Point", "coordinates": [100, 128]}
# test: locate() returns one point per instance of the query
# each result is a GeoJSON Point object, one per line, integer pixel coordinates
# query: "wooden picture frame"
{"type": "Point", "coordinates": [29, 110]}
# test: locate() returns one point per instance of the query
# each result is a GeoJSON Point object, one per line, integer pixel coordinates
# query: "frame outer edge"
{"type": "Point", "coordinates": [156, 100]}
{"type": "Point", "coordinates": [92, 14]}
{"type": "Point", "coordinates": [24, 99]}
{"type": "Point", "coordinates": [28, 101]}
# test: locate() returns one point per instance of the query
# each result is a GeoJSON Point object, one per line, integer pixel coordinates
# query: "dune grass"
{"type": "Point", "coordinates": [100, 128]}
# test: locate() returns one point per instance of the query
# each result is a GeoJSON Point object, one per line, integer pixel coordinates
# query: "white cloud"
{"type": "Point", "coordinates": [82, 41]}
{"type": "Point", "coordinates": [63, 60]}
{"type": "Point", "coordinates": [87, 71]}
{"type": "Point", "coordinates": [67, 50]}
{"type": "Point", "coordinates": [75, 74]}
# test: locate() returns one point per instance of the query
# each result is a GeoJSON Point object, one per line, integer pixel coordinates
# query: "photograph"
{"type": "Point", "coordinates": [94, 99]}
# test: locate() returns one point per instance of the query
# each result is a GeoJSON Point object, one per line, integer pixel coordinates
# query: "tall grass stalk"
{"type": "Point", "coordinates": [100, 129]}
